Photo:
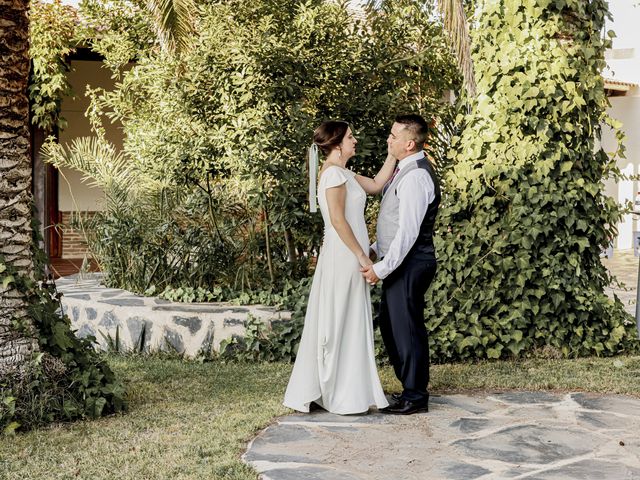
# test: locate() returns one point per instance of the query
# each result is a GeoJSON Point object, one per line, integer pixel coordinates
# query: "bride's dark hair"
{"type": "Point", "coordinates": [329, 135]}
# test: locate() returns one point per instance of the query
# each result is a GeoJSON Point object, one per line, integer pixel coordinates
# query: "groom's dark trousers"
{"type": "Point", "coordinates": [401, 320]}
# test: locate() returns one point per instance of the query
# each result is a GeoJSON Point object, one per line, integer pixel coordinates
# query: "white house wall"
{"type": "Point", "coordinates": [81, 197]}
{"type": "Point", "coordinates": [623, 64]}
{"type": "Point", "coordinates": [626, 110]}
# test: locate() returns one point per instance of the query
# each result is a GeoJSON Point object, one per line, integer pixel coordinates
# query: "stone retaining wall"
{"type": "Point", "coordinates": [188, 328]}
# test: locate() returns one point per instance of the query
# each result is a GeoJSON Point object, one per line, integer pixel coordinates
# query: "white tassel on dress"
{"type": "Point", "coordinates": [313, 178]}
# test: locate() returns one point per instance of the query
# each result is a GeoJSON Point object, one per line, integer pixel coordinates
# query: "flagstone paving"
{"type": "Point", "coordinates": [516, 435]}
{"type": "Point", "coordinates": [492, 436]}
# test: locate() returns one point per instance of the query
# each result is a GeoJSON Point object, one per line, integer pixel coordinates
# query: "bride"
{"type": "Point", "coordinates": [335, 366]}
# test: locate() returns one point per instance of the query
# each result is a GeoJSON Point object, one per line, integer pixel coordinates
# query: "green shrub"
{"type": "Point", "coordinates": [279, 342]}
{"type": "Point", "coordinates": [52, 31]}
{"type": "Point", "coordinates": [525, 217]}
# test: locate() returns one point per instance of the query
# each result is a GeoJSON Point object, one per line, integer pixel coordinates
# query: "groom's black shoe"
{"type": "Point", "coordinates": [394, 401]}
{"type": "Point", "coordinates": [406, 407]}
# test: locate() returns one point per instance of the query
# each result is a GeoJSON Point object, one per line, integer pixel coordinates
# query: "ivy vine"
{"type": "Point", "coordinates": [68, 379]}
{"type": "Point", "coordinates": [52, 38]}
{"type": "Point", "coordinates": [526, 217]}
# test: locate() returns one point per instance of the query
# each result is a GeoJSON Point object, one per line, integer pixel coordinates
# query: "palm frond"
{"type": "Point", "coordinates": [102, 166]}
{"type": "Point", "coordinates": [99, 162]}
{"type": "Point", "coordinates": [457, 28]}
{"type": "Point", "coordinates": [174, 22]}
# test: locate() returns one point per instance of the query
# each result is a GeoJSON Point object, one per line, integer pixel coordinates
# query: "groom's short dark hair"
{"type": "Point", "coordinates": [418, 127]}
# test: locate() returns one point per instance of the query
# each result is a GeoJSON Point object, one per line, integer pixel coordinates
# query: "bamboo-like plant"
{"type": "Point", "coordinates": [152, 233]}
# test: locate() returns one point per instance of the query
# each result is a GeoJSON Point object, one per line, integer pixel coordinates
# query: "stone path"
{"type": "Point", "coordinates": [516, 435]}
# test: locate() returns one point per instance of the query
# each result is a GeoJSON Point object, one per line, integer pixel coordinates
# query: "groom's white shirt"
{"type": "Point", "coordinates": [412, 190]}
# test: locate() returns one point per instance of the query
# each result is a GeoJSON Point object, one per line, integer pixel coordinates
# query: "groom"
{"type": "Point", "coordinates": [407, 263]}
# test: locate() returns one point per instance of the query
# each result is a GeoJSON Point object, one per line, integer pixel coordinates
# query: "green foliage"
{"type": "Point", "coordinates": [525, 217]}
{"type": "Point", "coordinates": [277, 342]}
{"type": "Point", "coordinates": [119, 30]}
{"type": "Point", "coordinates": [187, 294]}
{"type": "Point", "coordinates": [68, 379]}
{"type": "Point", "coordinates": [269, 296]}
{"type": "Point", "coordinates": [211, 190]}
{"type": "Point", "coordinates": [208, 199]}
{"type": "Point", "coordinates": [150, 235]}
{"type": "Point", "coordinates": [113, 343]}
{"type": "Point", "coordinates": [139, 252]}
{"type": "Point", "coordinates": [52, 39]}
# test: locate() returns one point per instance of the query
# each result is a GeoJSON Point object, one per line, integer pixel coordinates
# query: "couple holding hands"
{"type": "Point", "coordinates": [335, 367]}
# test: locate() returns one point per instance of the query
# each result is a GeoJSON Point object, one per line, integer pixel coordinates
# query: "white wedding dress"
{"type": "Point", "coordinates": [335, 366]}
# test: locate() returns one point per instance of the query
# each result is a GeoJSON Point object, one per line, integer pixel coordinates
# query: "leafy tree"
{"type": "Point", "coordinates": [53, 37]}
{"type": "Point", "coordinates": [233, 116]}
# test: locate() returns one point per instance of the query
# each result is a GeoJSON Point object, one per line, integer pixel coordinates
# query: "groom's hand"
{"type": "Point", "coordinates": [369, 275]}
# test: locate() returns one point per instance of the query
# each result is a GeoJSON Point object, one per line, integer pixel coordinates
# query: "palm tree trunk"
{"type": "Point", "coordinates": [16, 347]}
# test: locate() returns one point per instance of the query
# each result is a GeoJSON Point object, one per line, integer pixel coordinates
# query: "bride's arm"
{"type": "Point", "coordinates": [336, 202]}
{"type": "Point", "coordinates": [374, 185]}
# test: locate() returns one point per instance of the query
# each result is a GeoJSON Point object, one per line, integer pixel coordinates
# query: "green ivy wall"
{"type": "Point", "coordinates": [525, 218]}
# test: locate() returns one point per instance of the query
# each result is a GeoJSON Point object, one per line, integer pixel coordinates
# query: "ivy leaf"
{"type": "Point", "coordinates": [61, 336]}
{"type": "Point", "coordinates": [7, 280]}
{"type": "Point", "coordinates": [494, 352]}
{"type": "Point", "coordinates": [10, 430]}
{"type": "Point", "coordinates": [566, 166]}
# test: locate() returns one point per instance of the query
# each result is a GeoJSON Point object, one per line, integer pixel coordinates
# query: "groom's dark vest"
{"type": "Point", "coordinates": [388, 219]}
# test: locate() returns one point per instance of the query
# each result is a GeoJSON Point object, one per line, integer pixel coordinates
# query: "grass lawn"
{"type": "Point", "coordinates": [192, 421]}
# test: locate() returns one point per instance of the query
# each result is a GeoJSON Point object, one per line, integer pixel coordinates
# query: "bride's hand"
{"type": "Point", "coordinates": [364, 260]}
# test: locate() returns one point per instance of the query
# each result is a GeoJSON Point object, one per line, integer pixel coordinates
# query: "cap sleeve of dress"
{"type": "Point", "coordinates": [335, 176]}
